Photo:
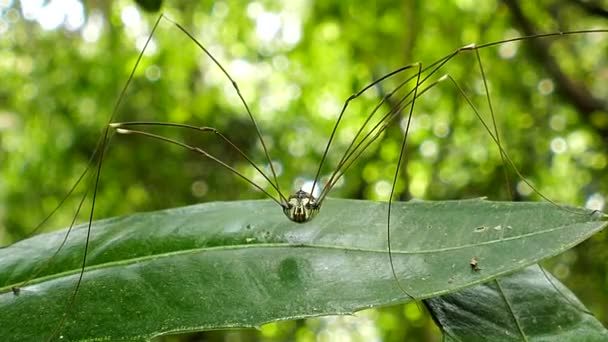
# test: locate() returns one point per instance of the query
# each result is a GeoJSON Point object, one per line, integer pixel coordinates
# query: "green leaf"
{"type": "Point", "coordinates": [242, 264]}
{"type": "Point", "coordinates": [529, 305]}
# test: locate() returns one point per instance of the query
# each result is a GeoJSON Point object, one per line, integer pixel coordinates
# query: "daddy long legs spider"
{"type": "Point", "coordinates": [378, 184]}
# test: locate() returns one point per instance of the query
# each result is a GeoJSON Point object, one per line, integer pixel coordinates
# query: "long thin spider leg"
{"type": "Point", "coordinates": [201, 151]}
{"type": "Point", "coordinates": [502, 150]}
{"type": "Point", "coordinates": [105, 139]}
{"type": "Point", "coordinates": [373, 133]}
{"type": "Point", "coordinates": [88, 238]}
{"type": "Point", "coordinates": [344, 107]}
{"type": "Point", "coordinates": [558, 290]}
{"type": "Point", "coordinates": [495, 126]}
{"type": "Point", "coordinates": [347, 153]}
{"type": "Point", "coordinates": [238, 91]}
{"type": "Point", "coordinates": [203, 129]}
{"type": "Point", "coordinates": [390, 198]}
{"type": "Point", "coordinates": [434, 67]}
{"type": "Point", "coordinates": [48, 261]}
{"type": "Point", "coordinates": [65, 198]}
{"type": "Point", "coordinates": [126, 85]}
{"type": "Point", "coordinates": [441, 62]}
{"type": "Point", "coordinates": [541, 35]}
{"type": "Point", "coordinates": [506, 173]}
{"type": "Point", "coordinates": [372, 136]}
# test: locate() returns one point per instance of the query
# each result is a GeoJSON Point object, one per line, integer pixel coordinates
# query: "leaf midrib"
{"type": "Point", "coordinates": [150, 257]}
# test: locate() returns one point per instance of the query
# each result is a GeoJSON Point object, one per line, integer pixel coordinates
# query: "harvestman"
{"type": "Point", "coordinates": [302, 206]}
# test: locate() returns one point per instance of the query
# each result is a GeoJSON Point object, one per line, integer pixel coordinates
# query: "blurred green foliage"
{"type": "Point", "coordinates": [296, 62]}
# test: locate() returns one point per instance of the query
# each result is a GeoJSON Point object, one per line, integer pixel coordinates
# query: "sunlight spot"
{"type": "Point", "coordinates": [559, 145]}
{"type": "Point", "coordinates": [130, 17]}
{"type": "Point", "coordinates": [598, 161]}
{"type": "Point", "coordinates": [557, 122]}
{"type": "Point", "coordinates": [29, 91]}
{"type": "Point", "coordinates": [278, 168]}
{"type": "Point", "coordinates": [361, 327]}
{"type": "Point", "coordinates": [280, 63]}
{"type": "Point", "coordinates": [52, 14]}
{"type": "Point", "coordinates": [31, 8]}
{"type": "Point", "coordinates": [292, 30]}
{"type": "Point", "coordinates": [523, 188]}
{"type": "Point", "coordinates": [93, 27]}
{"type": "Point", "coordinates": [561, 271]}
{"type": "Point", "coordinates": [74, 15]}
{"type": "Point", "coordinates": [220, 9]}
{"type": "Point", "coordinates": [270, 330]}
{"type": "Point", "coordinates": [4, 26]}
{"type": "Point", "coordinates": [337, 184]}
{"type": "Point", "coordinates": [421, 121]}
{"type": "Point", "coordinates": [199, 188]}
{"type": "Point", "coordinates": [5, 4]}
{"type": "Point", "coordinates": [466, 5]}
{"type": "Point", "coordinates": [8, 121]}
{"type": "Point", "coordinates": [382, 188]}
{"type": "Point", "coordinates": [268, 26]}
{"type": "Point", "coordinates": [296, 148]}
{"type": "Point", "coordinates": [241, 68]}
{"type": "Point", "coordinates": [306, 185]}
{"type": "Point", "coordinates": [136, 27]}
{"type": "Point", "coordinates": [370, 172]}
{"type": "Point", "coordinates": [23, 65]}
{"type": "Point", "coordinates": [578, 141]}
{"type": "Point", "coordinates": [10, 15]}
{"type": "Point", "coordinates": [595, 202]}
{"type": "Point", "coordinates": [419, 183]}
{"type": "Point", "coordinates": [330, 31]}
{"type": "Point", "coordinates": [546, 86]}
{"type": "Point", "coordinates": [441, 129]}
{"type": "Point", "coordinates": [480, 86]}
{"type": "Point", "coordinates": [328, 106]}
{"type": "Point", "coordinates": [257, 178]}
{"type": "Point", "coordinates": [269, 140]}
{"type": "Point", "coordinates": [411, 312]}
{"type": "Point", "coordinates": [254, 9]}
{"type": "Point", "coordinates": [153, 73]}
{"type": "Point", "coordinates": [140, 42]}
{"type": "Point", "coordinates": [509, 50]}
{"type": "Point", "coordinates": [479, 153]}
{"type": "Point", "coordinates": [86, 109]}
{"type": "Point", "coordinates": [429, 149]}
{"type": "Point", "coordinates": [51, 18]}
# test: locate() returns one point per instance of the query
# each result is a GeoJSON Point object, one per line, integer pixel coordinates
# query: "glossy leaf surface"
{"type": "Point", "coordinates": [241, 264]}
{"type": "Point", "coordinates": [529, 305]}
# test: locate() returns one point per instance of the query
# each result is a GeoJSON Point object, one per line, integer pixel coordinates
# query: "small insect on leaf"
{"type": "Point", "coordinates": [474, 263]}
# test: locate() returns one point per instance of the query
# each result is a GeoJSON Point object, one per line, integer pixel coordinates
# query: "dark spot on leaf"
{"type": "Point", "coordinates": [289, 271]}
{"type": "Point", "coordinates": [480, 229]}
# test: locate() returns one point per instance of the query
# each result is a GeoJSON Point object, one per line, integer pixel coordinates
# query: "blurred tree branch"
{"type": "Point", "coordinates": [592, 8]}
{"type": "Point", "coordinates": [574, 91]}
